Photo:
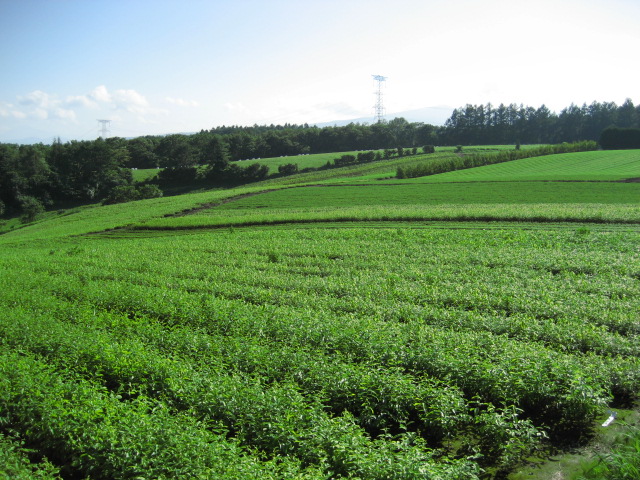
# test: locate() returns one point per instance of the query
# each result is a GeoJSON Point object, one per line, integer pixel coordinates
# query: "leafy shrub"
{"type": "Point", "coordinates": [149, 191]}
{"type": "Point", "coordinates": [233, 174]}
{"type": "Point", "coordinates": [31, 208]}
{"type": "Point", "coordinates": [178, 176]}
{"type": "Point", "coordinates": [345, 160]}
{"type": "Point", "coordinates": [429, 149]}
{"type": "Point", "coordinates": [129, 193]}
{"type": "Point", "coordinates": [364, 157]}
{"type": "Point", "coordinates": [15, 464]}
{"type": "Point", "coordinates": [288, 169]}
{"type": "Point", "coordinates": [121, 194]}
{"type": "Point", "coordinates": [253, 173]}
{"type": "Point", "coordinates": [95, 434]}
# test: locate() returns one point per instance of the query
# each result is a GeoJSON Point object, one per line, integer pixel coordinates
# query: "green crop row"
{"type": "Point", "coordinates": [89, 431]}
{"type": "Point", "coordinates": [567, 212]}
{"type": "Point", "coordinates": [381, 399]}
{"type": "Point", "coordinates": [15, 463]}
{"type": "Point", "coordinates": [584, 300]}
{"type": "Point", "coordinates": [274, 417]}
{"type": "Point", "coordinates": [466, 192]}
{"type": "Point", "coordinates": [316, 352]}
{"type": "Point", "coordinates": [564, 389]}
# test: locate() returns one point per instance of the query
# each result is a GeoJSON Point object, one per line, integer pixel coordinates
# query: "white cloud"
{"type": "Point", "coordinates": [182, 102]}
{"type": "Point", "coordinates": [127, 100]}
{"type": "Point", "coordinates": [40, 113]}
{"type": "Point", "coordinates": [63, 114]}
{"type": "Point", "coordinates": [236, 107]}
{"type": "Point", "coordinates": [37, 98]}
{"type": "Point", "coordinates": [41, 106]}
{"type": "Point", "coordinates": [8, 110]}
{"type": "Point", "coordinates": [80, 101]}
{"type": "Point", "coordinates": [100, 94]}
{"type": "Point", "coordinates": [128, 108]}
{"type": "Point", "coordinates": [124, 99]}
{"type": "Point", "coordinates": [130, 100]}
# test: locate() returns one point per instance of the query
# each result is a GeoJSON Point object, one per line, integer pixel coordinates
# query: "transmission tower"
{"type": "Point", "coordinates": [378, 107]}
{"type": "Point", "coordinates": [104, 129]}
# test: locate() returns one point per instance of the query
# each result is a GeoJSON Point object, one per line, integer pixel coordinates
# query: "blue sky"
{"type": "Point", "coordinates": [155, 67]}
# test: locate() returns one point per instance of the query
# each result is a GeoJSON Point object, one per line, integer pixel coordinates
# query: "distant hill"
{"type": "Point", "coordinates": [431, 115]}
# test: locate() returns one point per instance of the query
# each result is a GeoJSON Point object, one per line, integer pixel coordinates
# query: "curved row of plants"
{"type": "Point", "coordinates": [309, 353]}
{"type": "Point", "coordinates": [271, 416]}
{"type": "Point", "coordinates": [549, 386]}
{"type": "Point", "coordinates": [541, 213]}
{"type": "Point", "coordinates": [88, 430]}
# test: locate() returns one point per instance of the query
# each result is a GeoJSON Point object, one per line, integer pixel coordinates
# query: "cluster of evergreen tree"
{"type": "Point", "coordinates": [223, 144]}
{"type": "Point", "coordinates": [470, 125]}
{"type": "Point", "coordinates": [507, 124]}
{"type": "Point", "coordinates": [33, 177]}
{"type": "Point", "coordinates": [616, 138]}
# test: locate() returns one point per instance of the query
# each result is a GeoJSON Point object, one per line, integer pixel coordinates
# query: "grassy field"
{"type": "Point", "coordinates": [316, 160]}
{"type": "Point", "coordinates": [439, 193]}
{"type": "Point", "coordinates": [588, 166]}
{"type": "Point", "coordinates": [363, 328]}
{"type": "Point", "coordinates": [142, 174]}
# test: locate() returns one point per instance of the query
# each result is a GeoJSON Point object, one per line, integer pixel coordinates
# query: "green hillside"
{"type": "Point", "coordinates": [492, 192]}
{"type": "Point", "coordinates": [336, 324]}
{"type": "Point", "coordinates": [316, 160]}
{"type": "Point", "coordinates": [607, 165]}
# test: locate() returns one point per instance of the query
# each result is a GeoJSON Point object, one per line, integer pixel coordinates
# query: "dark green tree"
{"type": "Point", "coordinates": [288, 169]}
{"type": "Point", "coordinates": [174, 151]}
{"type": "Point", "coordinates": [614, 138]}
{"type": "Point", "coordinates": [214, 151]}
{"type": "Point", "coordinates": [30, 207]}
{"type": "Point", "coordinates": [142, 152]}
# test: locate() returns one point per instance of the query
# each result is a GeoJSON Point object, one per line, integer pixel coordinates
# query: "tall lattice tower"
{"type": "Point", "coordinates": [379, 107]}
{"type": "Point", "coordinates": [104, 129]}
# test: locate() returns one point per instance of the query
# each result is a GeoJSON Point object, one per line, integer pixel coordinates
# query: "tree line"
{"type": "Point", "coordinates": [33, 177]}
{"type": "Point", "coordinates": [508, 124]}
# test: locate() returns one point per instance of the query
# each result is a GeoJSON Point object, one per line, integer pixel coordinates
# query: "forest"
{"type": "Point", "coordinates": [36, 177]}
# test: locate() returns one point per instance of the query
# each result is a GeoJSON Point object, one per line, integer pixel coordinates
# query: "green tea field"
{"type": "Point", "coordinates": [339, 324]}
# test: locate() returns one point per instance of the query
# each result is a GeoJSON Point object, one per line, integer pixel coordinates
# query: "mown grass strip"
{"type": "Point", "coordinates": [608, 165]}
{"type": "Point", "coordinates": [476, 160]}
